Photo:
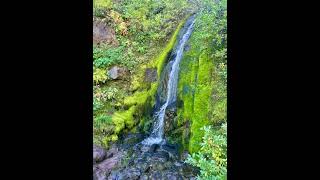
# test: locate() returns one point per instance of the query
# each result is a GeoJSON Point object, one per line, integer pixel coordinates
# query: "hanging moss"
{"type": "Point", "coordinates": [123, 118]}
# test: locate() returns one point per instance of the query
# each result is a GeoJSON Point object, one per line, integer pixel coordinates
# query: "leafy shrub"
{"type": "Point", "coordinates": [212, 157]}
{"type": "Point", "coordinates": [99, 75]}
{"type": "Point", "coordinates": [106, 57]}
{"type": "Point", "coordinates": [97, 104]}
{"type": "Point", "coordinates": [106, 93]}
{"type": "Point", "coordinates": [111, 93]}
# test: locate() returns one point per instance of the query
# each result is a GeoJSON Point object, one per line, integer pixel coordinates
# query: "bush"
{"type": "Point", "coordinates": [103, 58]}
{"type": "Point", "coordinates": [212, 157]}
{"type": "Point", "coordinates": [97, 104]}
{"type": "Point", "coordinates": [99, 75]}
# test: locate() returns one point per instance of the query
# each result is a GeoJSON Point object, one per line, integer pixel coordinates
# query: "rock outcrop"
{"type": "Point", "coordinates": [102, 34]}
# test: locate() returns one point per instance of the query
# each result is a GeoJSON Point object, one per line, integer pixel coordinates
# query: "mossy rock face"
{"type": "Point", "coordinates": [135, 112]}
{"type": "Point", "coordinates": [201, 101]}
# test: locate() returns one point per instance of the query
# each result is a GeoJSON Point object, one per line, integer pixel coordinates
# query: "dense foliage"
{"type": "Point", "coordinates": [212, 157]}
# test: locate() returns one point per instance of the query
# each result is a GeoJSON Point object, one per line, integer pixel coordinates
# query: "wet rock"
{"type": "Point", "coordinates": [114, 175]}
{"type": "Point", "coordinates": [102, 34]}
{"type": "Point", "coordinates": [170, 121]}
{"type": "Point", "coordinates": [103, 169]}
{"type": "Point", "coordinates": [156, 176]}
{"type": "Point", "coordinates": [161, 156]}
{"type": "Point", "coordinates": [145, 149]}
{"type": "Point", "coordinates": [112, 151]}
{"type": "Point", "coordinates": [117, 72]}
{"type": "Point", "coordinates": [171, 149]}
{"type": "Point", "coordinates": [99, 154]}
{"type": "Point", "coordinates": [171, 176]}
{"type": "Point", "coordinates": [153, 148]}
{"type": "Point", "coordinates": [133, 138]}
{"type": "Point", "coordinates": [144, 177]}
{"type": "Point", "coordinates": [151, 75]}
{"type": "Point", "coordinates": [168, 164]}
{"type": "Point", "coordinates": [189, 171]}
{"type": "Point", "coordinates": [147, 156]}
{"type": "Point", "coordinates": [184, 156]}
{"type": "Point", "coordinates": [143, 167]}
{"type": "Point", "coordinates": [187, 47]}
{"type": "Point", "coordinates": [99, 174]}
{"type": "Point", "coordinates": [178, 164]}
{"type": "Point", "coordinates": [159, 166]}
{"type": "Point", "coordinates": [133, 174]}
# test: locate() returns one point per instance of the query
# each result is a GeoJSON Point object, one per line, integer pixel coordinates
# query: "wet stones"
{"type": "Point", "coordinates": [158, 162]}
{"type": "Point", "coordinates": [161, 156]}
{"type": "Point", "coordinates": [133, 174]}
{"type": "Point", "coordinates": [125, 174]}
{"type": "Point", "coordinates": [172, 176]}
{"type": "Point", "coordinates": [156, 176]}
{"type": "Point", "coordinates": [171, 149]}
{"type": "Point", "coordinates": [143, 167]}
{"type": "Point", "coordinates": [99, 154]}
{"type": "Point", "coordinates": [153, 148]}
{"type": "Point", "coordinates": [99, 174]}
{"type": "Point", "coordinates": [188, 170]}
{"type": "Point", "coordinates": [170, 121]}
{"type": "Point", "coordinates": [104, 161]}
{"type": "Point", "coordinates": [131, 139]}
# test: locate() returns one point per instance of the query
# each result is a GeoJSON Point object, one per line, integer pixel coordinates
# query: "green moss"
{"type": "Point", "coordinates": [200, 117]}
{"type": "Point", "coordinates": [114, 137]}
{"type": "Point", "coordinates": [203, 96]}
{"type": "Point", "coordinates": [123, 118]}
{"type": "Point", "coordinates": [195, 90]}
{"type": "Point", "coordinates": [201, 106]}
{"type": "Point", "coordinates": [138, 98]}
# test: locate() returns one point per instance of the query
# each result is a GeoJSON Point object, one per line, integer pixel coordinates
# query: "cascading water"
{"type": "Point", "coordinates": [156, 136]}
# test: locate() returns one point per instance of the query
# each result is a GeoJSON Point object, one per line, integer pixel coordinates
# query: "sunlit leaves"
{"type": "Point", "coordinates": [212, 157]}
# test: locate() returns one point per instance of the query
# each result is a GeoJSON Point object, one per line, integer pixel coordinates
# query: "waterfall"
{"type": "Point", "coordinates": [157, 135]}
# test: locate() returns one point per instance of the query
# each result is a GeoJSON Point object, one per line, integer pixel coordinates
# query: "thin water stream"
{"type": "Point", "coordinates": [157, 135]}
